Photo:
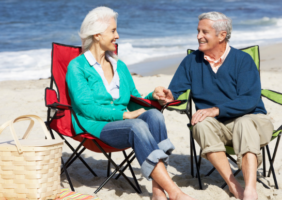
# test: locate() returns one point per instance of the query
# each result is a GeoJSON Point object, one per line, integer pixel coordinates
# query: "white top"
{"type": "Point", "coordinates": [113, 87]}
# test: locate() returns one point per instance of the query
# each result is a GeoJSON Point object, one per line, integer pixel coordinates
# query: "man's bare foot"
{"type": "Point", "coordinates": [250, 194]}
{"type": "Point", "coordinates": [236, 190]}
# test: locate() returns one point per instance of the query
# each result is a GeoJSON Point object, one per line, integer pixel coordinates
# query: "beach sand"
{"type": "Point", "coordinates": [27, 97]}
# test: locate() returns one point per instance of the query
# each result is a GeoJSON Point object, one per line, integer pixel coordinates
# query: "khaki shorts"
{"type": "Point", "coordinates": [246, 134]}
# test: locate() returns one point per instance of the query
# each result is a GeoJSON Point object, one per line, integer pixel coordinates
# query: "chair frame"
{"type": "Point", "coordinates": [80, 149]}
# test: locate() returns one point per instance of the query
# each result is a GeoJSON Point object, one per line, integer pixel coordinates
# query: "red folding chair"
{"type": "Point", "coordinates": [61, 123]}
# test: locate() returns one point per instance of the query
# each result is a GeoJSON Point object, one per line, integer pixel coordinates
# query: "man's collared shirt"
{"type": "Point", "coordinates": [215, 64]}
{"type": "Point", "coordinates": [113, 87]}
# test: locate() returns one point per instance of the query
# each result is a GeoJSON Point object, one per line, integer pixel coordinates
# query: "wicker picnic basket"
{"type": "Point", "coordinates": [29, 169]}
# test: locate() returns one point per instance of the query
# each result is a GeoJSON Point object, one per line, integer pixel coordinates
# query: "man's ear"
{"type": "Point", "coordinates": [222, 36]}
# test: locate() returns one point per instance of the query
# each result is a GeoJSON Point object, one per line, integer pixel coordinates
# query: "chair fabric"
{"type": "Point", "coordinates": [274, 96]}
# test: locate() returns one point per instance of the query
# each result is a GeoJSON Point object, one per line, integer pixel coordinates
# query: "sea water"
{"type": "Point", "coordinates": [147, 28]}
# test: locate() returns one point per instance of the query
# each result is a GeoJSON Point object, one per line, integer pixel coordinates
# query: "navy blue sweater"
{"type": "Point", "coordinates": [235, 89]}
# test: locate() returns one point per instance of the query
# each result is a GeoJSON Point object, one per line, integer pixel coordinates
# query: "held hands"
{"type": "Point", "coordinates": [163, 95]}
{"type": "Point", "coordinates": [134, 114]}
{"type": "Point", "coordinates": [200, 115]}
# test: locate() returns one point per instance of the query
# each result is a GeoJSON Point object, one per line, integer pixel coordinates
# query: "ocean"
{"type": "Point", "coordinates": [147, 28]}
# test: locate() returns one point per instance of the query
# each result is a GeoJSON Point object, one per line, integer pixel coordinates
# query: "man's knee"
{"type": "Point", "coordinates": [244, 127]}
{"type": "Point", "coordinates": [244, 121]}
{"type": "Point", "coordinates": [201, 127]}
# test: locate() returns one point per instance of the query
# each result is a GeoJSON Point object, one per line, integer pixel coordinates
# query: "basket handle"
{"type": "Point", "coordinates": [41, 122]}
{"type": "Point", "coordinates": [6, 124]}
{"type": "Point", "coordinates": [22, 118]}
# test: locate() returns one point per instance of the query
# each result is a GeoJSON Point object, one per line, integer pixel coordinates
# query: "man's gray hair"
{"type": "Point", "coordinates": [221, 23]}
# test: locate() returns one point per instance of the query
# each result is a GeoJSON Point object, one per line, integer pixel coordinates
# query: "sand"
{"type": "Point", "coordinates": [27, 97]}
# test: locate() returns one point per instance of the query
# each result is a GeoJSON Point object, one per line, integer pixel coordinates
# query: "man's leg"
{"type": "Point", "coordinates": [249, 169]}
{"type": "Point", "coordinates": [212, 136]}
{"type": "Point", "coordinates": [250, 132]}
{"type": "Point", "coordinates": [221, 163]}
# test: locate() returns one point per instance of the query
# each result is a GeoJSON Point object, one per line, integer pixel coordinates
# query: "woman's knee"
{"type": "Point", "coordinates": [139, 128]}
{"type": "Point", "coordinates": [154, 115]}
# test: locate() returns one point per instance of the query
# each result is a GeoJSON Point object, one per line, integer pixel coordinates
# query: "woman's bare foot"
{"type": "Point", "coordinates": [158, 192]}
{"type": "Point", "coordinates": [182, 196]}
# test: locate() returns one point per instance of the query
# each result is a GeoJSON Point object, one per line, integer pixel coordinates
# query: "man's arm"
{"type": "Point", "coordinates": [181, 80]}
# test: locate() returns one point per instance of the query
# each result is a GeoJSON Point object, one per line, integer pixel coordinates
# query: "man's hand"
{"type": "Point", "coordinates": [134, 114]}
{"type": "Point", "coordinates": [163, 95]}
{"type": "Point", "coordinates": [200, 115]}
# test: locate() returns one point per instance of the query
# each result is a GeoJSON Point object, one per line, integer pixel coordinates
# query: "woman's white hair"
{"type": "Point", "coordinates": [95, 22]}
{"type": "Point", "coordinates": [221, 23]}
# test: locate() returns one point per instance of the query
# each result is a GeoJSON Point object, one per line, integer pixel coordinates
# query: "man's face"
{"type": "Point", "coordinates": [207, 38]}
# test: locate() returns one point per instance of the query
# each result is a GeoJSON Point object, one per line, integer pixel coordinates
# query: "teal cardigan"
{"type": "Point", "coordinates": [91, 102]}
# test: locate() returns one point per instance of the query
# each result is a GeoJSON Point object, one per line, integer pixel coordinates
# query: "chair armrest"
{"type": "Point", "coordinates": [182, 104]}
{"type": "Point", "coordinates": [147, 103]}
{"type": "Point", "coordinates": [51, 100]}
{"type": "Point", "coordinates": [274, 96]}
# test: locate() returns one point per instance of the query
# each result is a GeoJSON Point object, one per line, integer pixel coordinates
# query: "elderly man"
{"type": "Point", "coordinates": [225, 86]}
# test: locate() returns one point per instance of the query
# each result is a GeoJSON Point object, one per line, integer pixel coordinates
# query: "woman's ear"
{"type": "Point", "coordinates": [96, 37]}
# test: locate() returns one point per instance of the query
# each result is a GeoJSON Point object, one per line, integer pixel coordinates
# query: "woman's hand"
{"type": "Point", "coordinates": [134, 114]}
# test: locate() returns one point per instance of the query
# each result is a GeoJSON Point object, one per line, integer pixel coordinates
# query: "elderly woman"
{"type": "Point", "coordinates": [100, 87]}
{"type": "Point", "coordinates": [225, 87]}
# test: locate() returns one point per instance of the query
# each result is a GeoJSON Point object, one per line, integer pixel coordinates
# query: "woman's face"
{"type": "Point", "coordinates": [109, 36]}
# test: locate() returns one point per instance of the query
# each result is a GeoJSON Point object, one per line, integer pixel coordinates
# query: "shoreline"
{"type": "Point", "coordinates": [270, 60]}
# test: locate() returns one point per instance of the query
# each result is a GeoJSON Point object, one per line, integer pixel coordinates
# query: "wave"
{"type": "Point", "coordinates": [25, 65]}
{"type": "Point", "coordinates": [265, 21]}
{"type": "Point", "coordinates": [35, 64]}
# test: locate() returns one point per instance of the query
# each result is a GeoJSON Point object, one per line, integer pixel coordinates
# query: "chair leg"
{"type": "Point", "coordinates": [109, 166]}
{"type": "Point", "coordinates": [191, 157]}
{"type": "Point", "coordinates": [271, 166]}
{"type": "Point", "coordinates": [195, 155]}
{"type": "Point", "coordinates": [237, 172]}
{"type": "Point", "coordinates": [81, 159]}
{"type": "Point", "coordinates": [200, 158]}
{"type": "Point", "coordinates": [263, 162]}
{"type": "Point", "coordinates": [210, 172]}
{"type": "Point", "coordinates": [67, 174]}
{"type": "Point", "coordinates": [199, 162]}
{"type": "Point", "coordinates": [117, 169]}
{"type": "Point", "coordinates": [70, 161]}
{"type": "Point", "coordinates": [274, 153]}
{"type": "Point", "coordinates": [132, 172]}
{"type": "Point", "coordinates": [124, 168]}
{"type": "Point", "coordinates": [74, 154]}
{"type": "Point", "coordinates": [264, 185]}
